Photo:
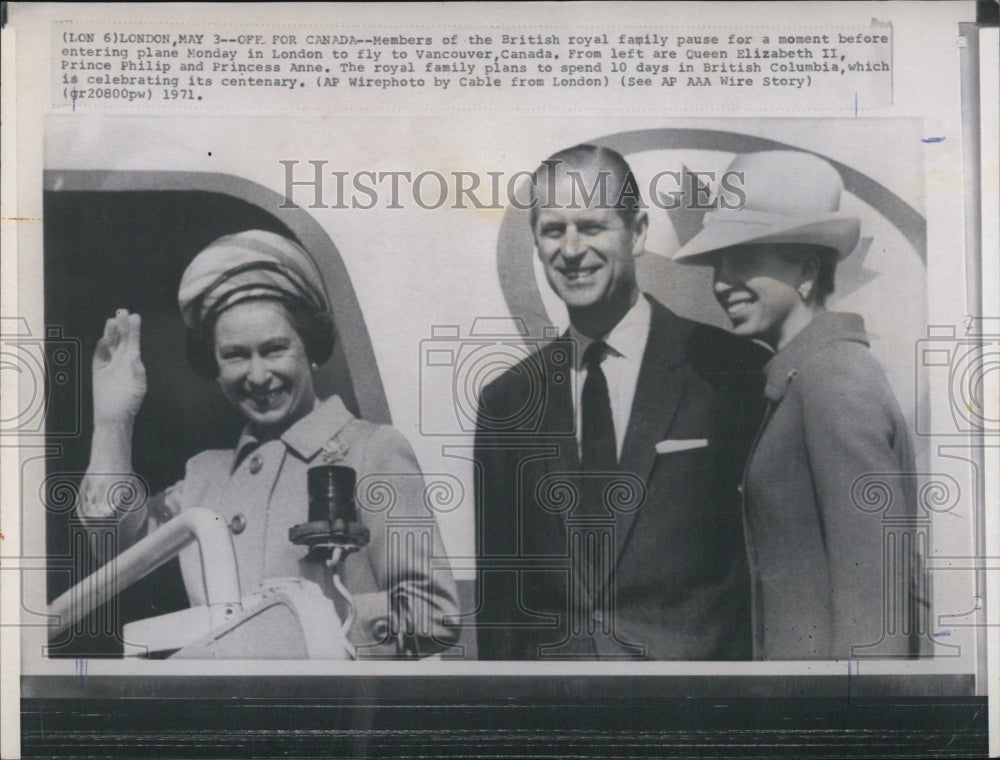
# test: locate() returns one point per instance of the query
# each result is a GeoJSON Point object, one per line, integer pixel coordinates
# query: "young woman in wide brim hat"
{"type": "Point", "coordinates": [815, 556]}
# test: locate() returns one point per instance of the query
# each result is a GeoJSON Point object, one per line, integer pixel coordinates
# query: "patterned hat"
{"type": "Point", "coordinates": [248, 266]}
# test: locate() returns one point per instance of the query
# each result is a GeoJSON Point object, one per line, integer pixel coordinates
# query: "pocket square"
{"type": "Point", "coordinates": [680, 444]}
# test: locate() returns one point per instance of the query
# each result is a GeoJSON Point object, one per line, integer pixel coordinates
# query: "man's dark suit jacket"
{"type": "Point", "coordinates": [675, 567]}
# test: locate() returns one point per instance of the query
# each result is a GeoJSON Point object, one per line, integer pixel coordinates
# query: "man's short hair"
{"type": "Point", "coordinates": [620, 193]}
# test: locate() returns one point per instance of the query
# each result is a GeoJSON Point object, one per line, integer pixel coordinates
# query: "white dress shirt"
{"type": "Point", "coordinates": [621, 363]}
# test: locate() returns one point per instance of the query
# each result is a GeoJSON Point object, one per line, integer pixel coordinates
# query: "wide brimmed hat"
{"type": "Point", "coordinates": [790, 197]}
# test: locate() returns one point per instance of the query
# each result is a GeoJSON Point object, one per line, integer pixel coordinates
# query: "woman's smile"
{"type": "Point", "coordinates": [264, 368]}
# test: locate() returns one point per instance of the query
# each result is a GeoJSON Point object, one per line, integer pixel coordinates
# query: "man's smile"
{"type": "Point", "coordinates": [579, 273]}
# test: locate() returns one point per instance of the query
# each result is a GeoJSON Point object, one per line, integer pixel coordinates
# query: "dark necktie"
{"type": "Point", "coordinates": [598, 462]}
{"type": "Point", "coordinates": [599, 452]}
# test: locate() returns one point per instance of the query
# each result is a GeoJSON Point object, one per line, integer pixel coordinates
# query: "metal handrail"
{"type": "Point", "coordinates": [222, 585]}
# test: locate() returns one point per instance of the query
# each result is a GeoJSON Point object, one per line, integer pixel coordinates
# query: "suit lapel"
{"type": "Point", "coordinates": [556, 429]}
{"type": "Point", "coordinates": [558, 419]}
{"type": "Point", "coordinates": [658, 393]}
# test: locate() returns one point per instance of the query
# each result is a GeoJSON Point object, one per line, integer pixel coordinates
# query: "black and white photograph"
{"type": "Point", "coordinates": [609, 386]}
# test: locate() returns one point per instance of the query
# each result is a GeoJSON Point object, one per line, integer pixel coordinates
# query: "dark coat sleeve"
{"type": "Point", "coordinates": [735, 367]}
{"type": "Point", "coordinates": [496, 505]}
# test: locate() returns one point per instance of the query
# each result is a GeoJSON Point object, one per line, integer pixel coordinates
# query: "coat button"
{"type": "Point", "coordinates": [238, 524]}
{"type": "Point", "coordinates": [255, 464]}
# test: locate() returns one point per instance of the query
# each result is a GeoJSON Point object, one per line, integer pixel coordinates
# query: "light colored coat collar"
{"type": "Point", "coordinates": [307, 436]}
{"type": "Point", "coordinates": [828, 327]}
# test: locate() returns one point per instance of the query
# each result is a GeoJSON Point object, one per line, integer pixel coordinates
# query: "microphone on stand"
{"type": "Point", "coordinates": [333, 530]}
{"type": "Point", "coordinates": [333, 518]}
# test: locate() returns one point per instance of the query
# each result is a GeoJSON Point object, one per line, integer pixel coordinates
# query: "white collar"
{"type": "Point", "coordinates": [626, 339]}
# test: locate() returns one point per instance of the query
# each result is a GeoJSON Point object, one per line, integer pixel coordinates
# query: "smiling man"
{"type": "Point", "coordinates": [611, 528]}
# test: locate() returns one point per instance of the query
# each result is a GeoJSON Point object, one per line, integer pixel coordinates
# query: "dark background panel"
{"type": "Point", "coordinates": [531, 727]}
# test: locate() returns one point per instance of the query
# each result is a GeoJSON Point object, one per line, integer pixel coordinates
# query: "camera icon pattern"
{"type": "Point", "coordinates": [967, 363]}
{"type": "Point", "coordinates": [454, 370]}
{"type": "Point", "coordinates": [40, 367]}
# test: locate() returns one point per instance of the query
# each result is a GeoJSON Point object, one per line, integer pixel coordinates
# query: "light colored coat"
{"type": "Point", "coordinates": [816, 557]}
{"type": "Point", "coordinates": [261, 487]}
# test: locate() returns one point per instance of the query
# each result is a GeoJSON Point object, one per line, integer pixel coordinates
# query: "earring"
{"type": "Point", "coordinates": [804, 290]}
